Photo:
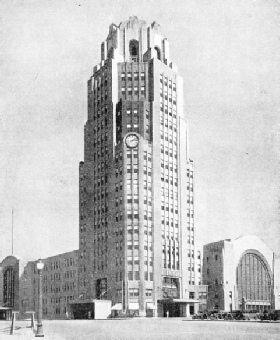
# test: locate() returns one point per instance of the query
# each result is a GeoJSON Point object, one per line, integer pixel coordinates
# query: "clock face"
{"type": "Point", "coordinates": [131, 141]}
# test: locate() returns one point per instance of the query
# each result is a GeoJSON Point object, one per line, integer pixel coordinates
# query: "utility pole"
{"type": "Point", "coordinates": [230, 295]}
{"type": "Point", "coordinates": [12, 231]}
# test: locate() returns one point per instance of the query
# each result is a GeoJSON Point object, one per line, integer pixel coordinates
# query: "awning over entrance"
{"type": "Point", "coordinates": [6, 308]}
{"type": "Point", "coordinates": [150, 305]}
{"type": "Point", "coordinates": [182, 301]}
{"type": "Point", "coordinates": [117, 306]}
{"type": "Point", "coordinates": [133, 306]}
{"type": "Point", "coordinates": [186, 300]}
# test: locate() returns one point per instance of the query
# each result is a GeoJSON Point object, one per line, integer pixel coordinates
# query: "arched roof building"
{"type": "Point", "coordinates": [240, 275]}
{"type": "Point", "coordinates": [9, 286]}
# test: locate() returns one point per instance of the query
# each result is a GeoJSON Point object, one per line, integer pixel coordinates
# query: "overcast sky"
{"type": "Point", "coordinates": [228, 53]}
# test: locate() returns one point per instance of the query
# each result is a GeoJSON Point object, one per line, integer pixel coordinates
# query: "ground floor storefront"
{"type": "Point", "coordinates": [103, 309]}
{"type": "Point", "coordinates": [168, 308]}
{"type": "Point", "coordinates": [90, 309]}
{"type": "Point", "coordinates": [176, 307]}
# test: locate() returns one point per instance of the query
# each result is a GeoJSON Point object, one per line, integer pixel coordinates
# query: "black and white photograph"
{"type": "Point", "coordinates": [140, 169]}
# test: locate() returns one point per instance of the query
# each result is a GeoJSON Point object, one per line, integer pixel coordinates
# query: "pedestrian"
{"type": "Point", "coordinates": [89, 314]}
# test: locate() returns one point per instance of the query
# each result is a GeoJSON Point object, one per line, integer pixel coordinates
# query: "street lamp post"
{"type": "Point", "coordinates": [230, 295]}
{"type": "Point", "coordinates": [40, 332]}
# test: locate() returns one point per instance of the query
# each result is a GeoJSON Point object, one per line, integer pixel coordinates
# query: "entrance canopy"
{"type": "Point", "coordinates": [150, 305]}
{"type": "Point", "coordinates": [186, 300]}
{"type": "Point", "coordinates": [182, 301]}
{"type": "Point", "coordinates": [6, 308]}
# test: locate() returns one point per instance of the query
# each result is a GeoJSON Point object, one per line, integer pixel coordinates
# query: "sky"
{"type": "Point", "coordinates": [228, 53]}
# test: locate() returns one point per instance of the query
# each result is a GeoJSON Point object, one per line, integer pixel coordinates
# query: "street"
{"type": "Point", "coordinates": [137, 328]}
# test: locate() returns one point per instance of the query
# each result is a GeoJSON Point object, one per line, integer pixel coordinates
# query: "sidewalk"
{"type": "Point", "coordinates": [22, 330]}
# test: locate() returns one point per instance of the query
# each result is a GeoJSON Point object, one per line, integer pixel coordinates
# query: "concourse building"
{"type": "Point", "coordinates": [136, 237]}
{"type": "Point", "coordinates": [241, 274]}
{"type": "Point", "coordinates": [9, 287]}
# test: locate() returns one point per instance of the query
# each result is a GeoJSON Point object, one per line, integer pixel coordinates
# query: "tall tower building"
{"type": "Point", "coordinates": [136, 181]}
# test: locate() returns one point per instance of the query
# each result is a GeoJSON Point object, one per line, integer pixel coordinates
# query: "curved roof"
{"type": "Point", "coordinates": [9, 259]}
{"type": "Point", "coordinates": [246, 242]}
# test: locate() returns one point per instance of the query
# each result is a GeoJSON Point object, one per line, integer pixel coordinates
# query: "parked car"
{"type": "Point", "coordinates": [200, 315]}
{"type": "Point", "coordinates": [274, 314]}
{"type": "Point", "coordinates": [224, 316]}
{"type": "Point", "coordinates": [220, 316]}
{"type": "Point", "coordinates": [264, 315]}
{"type": "Point", "coordinates": [213, 314]}
{"type": "Point", "coordinates": [228, 316]}
{"type": "Point", "coordinates": [238, 315]}
{"type": "Point", "coordinates": [252, 314]}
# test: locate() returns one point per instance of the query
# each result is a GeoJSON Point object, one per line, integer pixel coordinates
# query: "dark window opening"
{"type": "Point", "coordinates": [133, 49]}
{"type": "Point", "coordinates": [158, 53]}
{"type": "Point", "coordinates": [8, 287]}
{"type": "Point", "coordinates": [101, 289]}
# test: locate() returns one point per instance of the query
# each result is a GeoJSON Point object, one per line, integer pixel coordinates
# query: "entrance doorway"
{"type": "Point", "coordinates": [171, 309]}
{"type": "Point", "coordinates": [191, 310]}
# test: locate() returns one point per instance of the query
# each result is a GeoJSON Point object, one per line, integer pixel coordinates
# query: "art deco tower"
{"type": "Point", "coordinates": [136, 191]}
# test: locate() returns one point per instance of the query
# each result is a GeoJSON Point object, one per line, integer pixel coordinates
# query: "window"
{"type": "Point", "coordinates": [133, 292]}
{"type": "Point", "coordinates": [158, 53]}
{"type": "Point", "coordinates": [191, 295]}
{"type": "Point", "coordinates": [9, 287]}
{"type": "Point", "coordinates": [149, 292]}
{"type": "Point", "coordinates": [133, 49]}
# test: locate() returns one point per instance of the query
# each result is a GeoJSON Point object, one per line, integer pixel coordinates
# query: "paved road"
{"type": "Point", "coordinates": [146, 329]}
